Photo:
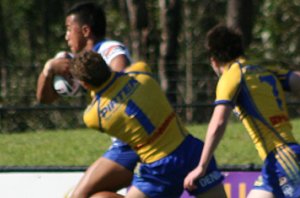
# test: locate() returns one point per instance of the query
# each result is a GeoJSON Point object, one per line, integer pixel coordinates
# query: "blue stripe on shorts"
{"type": "Point", "coordinates": [280, 173]}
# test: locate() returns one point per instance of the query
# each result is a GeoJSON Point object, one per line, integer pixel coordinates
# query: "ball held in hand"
{"type": "Point", "coordinates": [65, 86]}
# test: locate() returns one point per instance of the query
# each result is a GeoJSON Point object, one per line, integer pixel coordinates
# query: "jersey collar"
{"type": "Point", "coordinates": [239, 60]}
{"type": "Point", "coordinates": [101, 89]}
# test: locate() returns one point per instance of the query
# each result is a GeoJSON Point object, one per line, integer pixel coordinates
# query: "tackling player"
{"type": "Point", "coordinates": [132, 107]}
{"type": "Point", "coordinates": [85, 30]}
{"type": "Point", "coordinates": [256, 94]}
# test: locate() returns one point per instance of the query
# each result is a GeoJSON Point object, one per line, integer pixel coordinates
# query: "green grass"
{"type": "Point", "coordinates": [81, 147]}
{"type": "Point", "coordinates": [235, 148]}
{"type": "Point", "coordinates": [68, 147]}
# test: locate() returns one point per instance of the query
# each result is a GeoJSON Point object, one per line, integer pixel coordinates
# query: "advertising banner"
{"type": "Point", "coordinates": [58, 184]}
{"type": "Point", "coordinates": [239, 183]}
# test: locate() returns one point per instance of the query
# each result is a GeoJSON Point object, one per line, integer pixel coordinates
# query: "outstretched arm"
{"type": "Point", "coordinates": [294, 82]}
{"type": "Point", "coordinates": [215, 132]}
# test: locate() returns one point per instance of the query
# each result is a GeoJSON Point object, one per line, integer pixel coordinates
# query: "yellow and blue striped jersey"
{"type": "Point", "coordinates": [257, 95]}
{"type": "Point", "coordinates": [132, 107]}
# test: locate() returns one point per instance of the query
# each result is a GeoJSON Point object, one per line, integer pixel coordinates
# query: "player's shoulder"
{"type": "Point", "coordinates": [110, 43]}
{"type": "Point", "coordinates": [138, 67]}
{"type": "Point", "coordinates": [109, 49]}
{"type": "Point", "coordinates": [278, 70]}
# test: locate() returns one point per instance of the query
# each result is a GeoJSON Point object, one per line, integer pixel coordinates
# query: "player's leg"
{"type": "Point", "coordinates": [217, 191]}
{"type": "Point", "coordinates": [135, 193]}
{"type": "Point", "coordinates": [255, 193]}
{"type": "Point", "coordinates": [279, 174]}
{"type": "Point", "coordinates": [103, 175]}
{"type": "Point", "coordinates": [106, 194]}
{"type": "Point", "coordinates": [111, 172]}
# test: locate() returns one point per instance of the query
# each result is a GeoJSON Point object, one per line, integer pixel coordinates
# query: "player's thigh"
{"type": "Point", "coordinates": [217, 191]}
{"type": "Point", "coordinates": [260, 194]}
{"type": "Point", "coordinates": [135, 193]}
{"type": "Point", "coordinates": [106, 194]}
{"type": "Point", "coordinates": [105, 175]}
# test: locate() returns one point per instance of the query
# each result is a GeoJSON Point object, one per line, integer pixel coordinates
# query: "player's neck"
{"type": "Point", "coordinates": [89, 44]}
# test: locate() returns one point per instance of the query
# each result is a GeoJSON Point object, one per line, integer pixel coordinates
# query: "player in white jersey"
{"type": "Point", "coordinates": [114, 170]}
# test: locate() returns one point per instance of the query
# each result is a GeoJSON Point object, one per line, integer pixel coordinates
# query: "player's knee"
{"type": "Point", "coordinates": [77, 194]}
{"type": "Point", "coordinates": [106, 194]}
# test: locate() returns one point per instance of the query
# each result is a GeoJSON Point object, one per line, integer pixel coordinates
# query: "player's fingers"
{"type": "Point", "coordinates": [188, 183]}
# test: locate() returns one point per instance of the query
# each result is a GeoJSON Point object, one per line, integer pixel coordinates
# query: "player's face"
{"type": "Point", "coordinates": [215, 66]}
{"type": "Point", "coordinates": [74, 35]}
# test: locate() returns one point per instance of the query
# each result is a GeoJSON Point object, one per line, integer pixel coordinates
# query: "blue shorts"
{"type": "Point", "coordinates": [281, 172]}
{"type": "Point", "coordinates": [122, 154]}
{"type": "Point", "coordinates": [164, 178]}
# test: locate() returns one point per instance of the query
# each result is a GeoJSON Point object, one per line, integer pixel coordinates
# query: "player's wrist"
{"type": "Point", "coordinates": [47, 71]}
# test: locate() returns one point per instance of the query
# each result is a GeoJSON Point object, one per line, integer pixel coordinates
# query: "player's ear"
{"type": "Point", "coordinates": [85, 85]}
{"type": "Point", "coordinates": [86, 30]}
{"type": "Point", "coordinates": [213, 62]}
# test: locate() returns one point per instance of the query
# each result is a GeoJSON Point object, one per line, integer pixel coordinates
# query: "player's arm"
{"type": "Point", "coordinates": [45, 92]}
{"type": "Point", "coordinates": [119, 63]}
{"type": "Point", "coordinates": [294, 82]}
{"type": "Point", "coordinates": [289, 79]}
{"type": "Point", "coordinates": [115, 55]}
{"type": "Point", "coordinates": [215, 132]}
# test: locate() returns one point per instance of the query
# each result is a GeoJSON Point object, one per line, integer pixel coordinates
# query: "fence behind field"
{"type": "Point", "coordinates": [19, 110]}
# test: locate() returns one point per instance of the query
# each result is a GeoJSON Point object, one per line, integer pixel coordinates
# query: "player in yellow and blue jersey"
{"type": "Point", "coordinates": [256, 94]}
{"type": "Point", "coordinates": [132, 107]}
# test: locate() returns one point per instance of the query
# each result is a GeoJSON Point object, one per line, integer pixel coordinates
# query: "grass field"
{"type": "Point", "coordinates": [82, 146]}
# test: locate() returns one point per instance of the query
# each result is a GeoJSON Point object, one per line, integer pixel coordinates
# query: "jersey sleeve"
{"type": "Point", "coordinates": [111, 49]}
{"type": "Point", "coordinates": [228, 86]}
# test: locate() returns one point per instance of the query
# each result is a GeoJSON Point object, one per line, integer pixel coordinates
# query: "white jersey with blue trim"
{"type": "Point", "coordinates": [109, 49]}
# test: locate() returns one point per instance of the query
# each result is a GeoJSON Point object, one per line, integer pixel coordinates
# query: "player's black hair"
{"type": "Point", "coordinates": [224, 44]}
{"type": "Point", "coordinates": [90, 14]}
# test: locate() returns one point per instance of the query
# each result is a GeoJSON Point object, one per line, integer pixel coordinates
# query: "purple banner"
{"type": "Point", "coordinates": [237, 183]}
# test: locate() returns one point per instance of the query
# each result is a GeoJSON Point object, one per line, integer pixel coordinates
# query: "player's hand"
{"type": "Point", "coordinates": [57, 66]}
{"type": "Point", "coordinates": [189, 181]}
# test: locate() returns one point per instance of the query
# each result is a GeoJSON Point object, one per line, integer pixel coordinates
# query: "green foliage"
{"type": "Point", "coordinates": [276, 32]}
{"type": "Point", "coordinates": [35, 31]}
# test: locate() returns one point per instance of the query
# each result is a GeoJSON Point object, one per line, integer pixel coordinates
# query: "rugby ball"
{"type": "Point", "coordinates": [63, 54]}
{"type": "Point", "coordinates": [66, 86]}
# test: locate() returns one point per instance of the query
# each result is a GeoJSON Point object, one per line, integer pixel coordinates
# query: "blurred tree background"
{"type": "Point", "coordinates": [168, 34]}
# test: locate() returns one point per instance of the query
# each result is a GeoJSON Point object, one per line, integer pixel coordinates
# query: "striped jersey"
{"type": "Point", "coordinates": [257, 95]}
{"type": "Point", "coordinates": [132, 107]}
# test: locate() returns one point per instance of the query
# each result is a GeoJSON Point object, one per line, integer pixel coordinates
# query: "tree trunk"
{"type": "Point", "coordinates": [4, 55]}
{"type": "Point", "coordinates": [32, 34]}
{"type": "Point", "coordinates": [170, 25]}
{"type": "Point", "coordinates": [189, 93]}
{"type": "Point", "coordinates": [240, 16]}
{"type": "Point", "coordinates": [138, 19]}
